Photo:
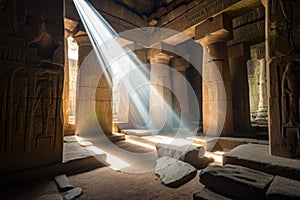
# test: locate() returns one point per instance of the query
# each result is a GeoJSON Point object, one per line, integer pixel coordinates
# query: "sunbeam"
{"type": "Point", "coordinates": [120, 64]}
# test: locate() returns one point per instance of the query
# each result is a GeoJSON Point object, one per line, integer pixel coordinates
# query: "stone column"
{"type": "Point", "coordinates": [238, 56]}
{"type": "Point", "coordinates": [160, 101]}
{"type": "Point", "coordinates": [180, 88]}
{"type": "Point", "coordinates": [283, 79]}
{"type": "Point", "coordinates": [262, 112]}
{"type": "Point", "coordinates": [212, 35]}
{"type": "Point", "coordinates": [136, 114]}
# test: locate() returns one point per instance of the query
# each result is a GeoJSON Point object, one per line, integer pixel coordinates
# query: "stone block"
{"type": "Point", "coordinates": [74, 193]}
{"type": "Point", "coordinates": [191, 154]}
{"type": "Point", "coordinates": [236, 182]}
{"type": "Point", "coordinates": [173, 172]}
{"type": "Point", "coordinates": [206, 194]}
{"type": "Point", "coordinates": [63, 183]}
{"type": "Point", "coordinates": [257, 157]}
{"type": "Point", "coordinates": [283, 189]}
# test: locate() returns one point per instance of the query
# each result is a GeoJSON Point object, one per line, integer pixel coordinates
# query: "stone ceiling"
{"type": "Point", "coordinates": [143, 7]}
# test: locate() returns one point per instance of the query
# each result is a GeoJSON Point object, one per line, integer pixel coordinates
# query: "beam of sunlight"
{"type": "Point", "coordinates": [121, 62]}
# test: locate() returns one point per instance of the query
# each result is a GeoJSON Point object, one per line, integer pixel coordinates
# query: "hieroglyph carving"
{"type": "Point", "coordinates": [197, 14]}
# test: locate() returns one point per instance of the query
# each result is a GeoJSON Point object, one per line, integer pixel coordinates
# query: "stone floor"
{"type": "Point", "coordinates": [107, 183]}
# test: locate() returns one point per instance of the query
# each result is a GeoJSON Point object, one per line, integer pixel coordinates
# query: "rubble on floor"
{"type": "Point", "coordinates": [191, 154]}
{"type": "Point", "coordinates": [63, 183]}
{"type": "Point", "coordinates": [65, 187]}
{"type": "Point", "coordinates": [173, 172]}
{"type": "Point", "coordinates": [237, 182]}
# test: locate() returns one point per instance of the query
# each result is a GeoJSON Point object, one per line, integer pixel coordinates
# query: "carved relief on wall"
{"type": "Point", "coordinates": [18, 107]}
{"type": "Point", "coordinates": [290, 95]}
{"type": "Point", "coordinates": [44, 93]}
{"type": "Point", "coordinates": [284, 28]}
{"type": "Point", "coordinates": [44, 42]}
{"type": "Point", "coordinates": [290, 101]}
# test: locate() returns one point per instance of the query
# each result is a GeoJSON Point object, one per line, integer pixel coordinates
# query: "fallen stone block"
{"type": "Point", "coordinates": [283, 189]}
{"type": "Point", "coordinates": [50, 197]}
{"type": "Point", "coordinates": [191, 154]}
{"type": "Point", "coordinates": [63, 183]}
{"type": "Point", "coordinates": [173, 172]}
{"type": "Point", "coordinates": [74, 193]}
{"type": "Point", "coordinates": [206, 194]}
{"type": "Point", "coordinates": [236, 182]}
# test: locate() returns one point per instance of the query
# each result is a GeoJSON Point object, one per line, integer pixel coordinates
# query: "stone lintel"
{"type": "Point", "coordinates": [214, 29]}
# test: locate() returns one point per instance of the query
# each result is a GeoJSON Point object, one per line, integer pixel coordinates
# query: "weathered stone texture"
{"type": "Point", "coordinates": [283, 189]}
{"type": "Point", "coordinates": [173, 172]}
{"type": "Point", "coordinates": [206, 194]}
{"type": "Point", "coordinates": [236, 182]}
{"type": "Point", "coordinates": [73, 194]}
{"type": "Point", "coordinates": [63, 183]}
{"type": "Point", "coordinates": [191, 154]}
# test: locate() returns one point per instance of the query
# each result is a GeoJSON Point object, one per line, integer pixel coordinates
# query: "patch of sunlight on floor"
{"type": "Point", "coordinates": [149, 146]}
{"type": "Point", "coordinates": [114, 162]}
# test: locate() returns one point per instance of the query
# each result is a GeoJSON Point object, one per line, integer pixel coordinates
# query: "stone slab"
{"type": "Point", "coordinates": [283, 189]}
{"type": "Point", "coordinates": [206, 141]}
{"type": "Point", "coordinates": [50, 197]}
{"type": "Point", "coordinates": [74, 193]}
{"type": "Point", "coordinates": [236, 182]}
{"type": "Point", "coordinates": [63, 183]}
{"type": "Point", "coordinates": [187, 153]}
{"type": "Point", "coordinates": [206, 194]}
{"type": "Point", "coordinates": [137, 132]}
{"type": "Point", "coordinates": [73, 138]}
{"type": "Point", "coordinates": [173, 172]}
{"type": "Point", "coordinates": [257, 157]}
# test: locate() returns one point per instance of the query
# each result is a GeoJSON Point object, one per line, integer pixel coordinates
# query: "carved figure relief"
{"type": "Point", "coordinates": [283, 25]}
{"type": "Point", "coordinates": [19, 94]}
{"type": "Point", "coordinates": [44, 42]}
{"type": "Point", "coordinates": [45, 97]}
{"type": "Point", "coordinates": [290, 97]}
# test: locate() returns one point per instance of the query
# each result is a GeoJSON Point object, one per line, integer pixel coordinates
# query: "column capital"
{"type": "Point", "coordinates": [180, 64]}
{"type": "Point", "coordinates": [215, 29]}
{"type": "Point", "coordinates": [158, 56]}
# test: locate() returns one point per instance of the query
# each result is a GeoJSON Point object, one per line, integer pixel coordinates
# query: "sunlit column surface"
{"type": "Point", "coordinates": [73, 71]}
{"type": "Point", "coordinates": [181, 88]}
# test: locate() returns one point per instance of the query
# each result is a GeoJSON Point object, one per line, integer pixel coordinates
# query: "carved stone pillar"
{"type": "Point", "coordinates": [212, 35]}
{"type": "Point", "coordinates": [160, 103]}
{"type": "Point", "coordinates": [180, 88]}
{"type": "Point", "coordinates": [238, 56]}
{"type": "Point", "coordinates": [283, 75]}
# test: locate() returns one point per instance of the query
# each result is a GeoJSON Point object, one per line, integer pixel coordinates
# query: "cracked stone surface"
{"type": "Point", "coordinates": [173, 172]}
{"type": "Point", "coordinates": [283, 188]}
{"type": "Point", "coordinates": [236, 182]}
